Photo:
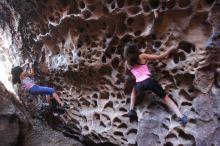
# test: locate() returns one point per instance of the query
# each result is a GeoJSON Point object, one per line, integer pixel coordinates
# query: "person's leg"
{"type": "Point", "coordinates": [133, 99]}
{"type": "Point", "coordinates": [46, 90]}
{"type": "Point", "coordinates": [157, 89]}
{"type": "Point", "coordinates": [48, 98]}
{"type": "Point", "coordinates": [172, 106]}
{"type": "Point", "coordinates": [182, 118]}
{"type": "Point", "coordinates": [57, 98]}
{"type": "Point", "coordinates": [132, 113]}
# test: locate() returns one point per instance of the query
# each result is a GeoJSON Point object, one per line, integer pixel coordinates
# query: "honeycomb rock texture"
{"type": "Point", "coordinates": [79, 45]}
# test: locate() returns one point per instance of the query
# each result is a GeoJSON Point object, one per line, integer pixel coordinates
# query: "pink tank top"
{"type": "Point", "coordinates": [27, 83]}
{"type": "Point", "coordinates": [141, 72]}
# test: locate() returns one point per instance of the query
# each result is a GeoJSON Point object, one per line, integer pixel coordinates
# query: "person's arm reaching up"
{"type": "Point", "coordinates": [26, 63]}
{"type": "Point", "coordinates": [31, 73]}
{"type": "Point", "coordinates": [163, 55]}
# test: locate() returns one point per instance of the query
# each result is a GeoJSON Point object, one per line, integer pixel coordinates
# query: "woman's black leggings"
{"type": "Point", "coordinates": [152, 85]}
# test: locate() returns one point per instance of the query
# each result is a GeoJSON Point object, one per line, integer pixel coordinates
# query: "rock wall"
{"type": "Point", "coordinates": [80, 43]}
{"type": "Point", "coordinates": [11, 119]}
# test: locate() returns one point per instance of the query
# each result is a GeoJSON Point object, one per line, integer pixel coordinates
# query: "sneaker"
{"type": "Point", "coordinates": [132, 114]}
{"type": "Point", "coordinates": [29, 98]}
{"type": "Point", "coordinates": [43, 106]}
{"type": "Point", "coordinates": [183, 120]}
{"type": "Point", "coordinates": [55, 114]}
{"type": "Point", "coordinates": [66, 106]}
{"type": "Point", "coordinates": [59, 110]}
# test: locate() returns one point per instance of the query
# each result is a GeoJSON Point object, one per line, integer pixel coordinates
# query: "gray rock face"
{"type": "Point", "coordinates": [79, 45]}
{"type": "Point", "coordinates": [10, 119]}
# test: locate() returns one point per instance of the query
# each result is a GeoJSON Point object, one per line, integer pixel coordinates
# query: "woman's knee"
{"type": "Point", "coordinates": [47, 90]}
{"type": "Point", "coordinates": [52, 90]}
{"type": "Point", "coordinates": [165, 98]}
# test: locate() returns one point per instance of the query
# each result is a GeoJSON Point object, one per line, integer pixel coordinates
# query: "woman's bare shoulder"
{"type": "Point", "coordinates": [142, 59]}
{"type": "Point", "coordinates": [23, 75]}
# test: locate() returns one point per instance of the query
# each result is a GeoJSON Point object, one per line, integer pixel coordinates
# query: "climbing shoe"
{"type": "Point", "coordinates": [58, 110]}
{"type": "Point", "coordinates": [29, 98]}
{"type": "Point", "coordinates": [132, 114]}
{"type": "Point", "coordinates": [55, 114]}
{"type": "Point", "coordinates": [183, 120]}
{"type": "Point", "coordinates": [66, 106]}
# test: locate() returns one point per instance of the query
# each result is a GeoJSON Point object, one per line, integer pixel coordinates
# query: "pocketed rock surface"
{"type": "Point", "coordinates": [79, 45]}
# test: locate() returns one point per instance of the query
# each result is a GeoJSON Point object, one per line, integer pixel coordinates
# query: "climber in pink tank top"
{"type": "Point", "coordinates": [141, 72]}
{"type": "Point", "coordinates": [136, 63]}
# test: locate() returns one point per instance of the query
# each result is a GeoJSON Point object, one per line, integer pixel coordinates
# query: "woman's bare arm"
{"type": "Point", "coordinates": [23, 65]}
{"type": "Point", "coordinates": [30, 72]}
{"type": "Point", "coordinates": [25, 74]}
{"type": "Point", "coordinates": [145, 56]}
